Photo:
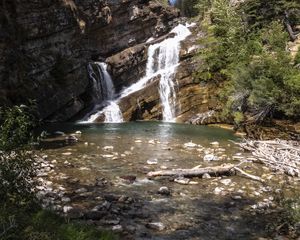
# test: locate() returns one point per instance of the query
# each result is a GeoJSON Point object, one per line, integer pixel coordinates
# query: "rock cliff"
{"type": "Point", "coordinates": [193, 98]}
{"type": "Point", "coordinates": [45, 46]}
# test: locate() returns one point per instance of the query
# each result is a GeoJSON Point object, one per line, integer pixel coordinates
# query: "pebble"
{"type": "Point", "coordinates": [182, 180]}
{"type": "Point", "coordinates": [84, 169]}
{"type": "Point", "coordinates": [210, 157]}
{"type": "Point", "coordinates": [152, 161]}
{"type": "Point", "coordinates": [236, 197]}
{"type": "Point", "coordinates": [117, 228]}
{"type": "Point", "coordinates": [156, 226]}
{"type": "Point", "coordinates": [67, 209]}
{"type": "Point", "coordinates": [138, 141]}
{"type": "Point", "coordinates": [215, 144]}
{"type": "Point", "coordinates": [81, 190]}
{"type": "Point", "coordinates": [66, 199]}
{"type": "Point", "coordinates": [218, 190]}
{"type": "Point", "coordinates": [190, 145]}
{"type": "Point", "coordinates": [107, 155]}
{"type": "Point", "coordinates": [164, 191]}
{"type": "Point", "coordinates": [66, 154]}
{"type": "Point", "coordinates": [108, 148]}
{"type": "Point", "coordinates": [225, 181]}
{"type": "Point", "coordinates": [206, 176]}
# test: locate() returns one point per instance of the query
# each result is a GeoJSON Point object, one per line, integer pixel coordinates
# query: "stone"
{"type": "Point", "coordinates": [226, 182]}
{"type": "Point", "coordinates": [66, 154]}
{"type": "Point", "coordinates": [107, 155]}
{"type": "Point", "coordinates": [206, 176]}
{"type": "Point", "coordinates": [151, 142]}
{"type": "Point", "coordinates": [128, 178]}
{"type": "Point", "coordinates": [215, 144]}
{"type": "Point", "coordinates": [156, 226]}
{"type": "Point", "coordinates": [236, 197]}
{"type": "Point", "coordinates": [108, 148]}
{"type": "Point", "coordinates": [218, 190]}
{"type": "Point", "coordinates": [164, 191]}
{"type": "Point", "coordinates": [117, 228]}
{"type": "Point", "coordinates": [182, 180]}
{"type": "Point", "coordinates": [66, 209]}
{"type": "Point", "coordinates": [210, 157]}
{"type": "Point", "coordinates": [190, 145]}
{"type": "Point", "coordinates": [81, 190]}
{"type": "Point", "coordinates": [66, 199]}
{"type": "Point", "coordinates": [152, 161]}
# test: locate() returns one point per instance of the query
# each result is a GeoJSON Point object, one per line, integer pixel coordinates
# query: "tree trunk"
{"type": "Point", "coordinates": [289, 28]}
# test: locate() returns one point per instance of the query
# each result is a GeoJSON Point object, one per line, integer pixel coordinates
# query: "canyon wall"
{"type": "Point", "coordinates": [46, 45]}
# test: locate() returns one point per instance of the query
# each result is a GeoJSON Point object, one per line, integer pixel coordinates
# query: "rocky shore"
{"type": "Point", "coordinates": [111, 202]}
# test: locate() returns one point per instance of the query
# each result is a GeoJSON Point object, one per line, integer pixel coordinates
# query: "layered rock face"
{"type": "Point", "coordinates": [45, 46]}
{"type": "Point", "coordinates": [193, 99]}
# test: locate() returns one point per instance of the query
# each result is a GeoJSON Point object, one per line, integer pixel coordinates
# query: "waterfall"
{"type": "Point", "coordinates": [112, 114]}
{"type": "Point", "coordinates": [104, 87]}
{"type": "Point", "coordinates": [163, 59]}
{"type": "Point", "coordinates": [102, 82]}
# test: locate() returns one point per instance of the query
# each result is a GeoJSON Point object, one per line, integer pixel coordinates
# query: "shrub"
{"type": "Point", "coordinates": [16, 128]}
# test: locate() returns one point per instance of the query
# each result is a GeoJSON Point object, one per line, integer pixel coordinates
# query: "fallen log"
{"type": "Point", "coordinates": [227, 169]}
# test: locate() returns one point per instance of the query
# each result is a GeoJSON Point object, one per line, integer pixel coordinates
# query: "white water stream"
{"type": "Point", "coordinates": [163, 59]}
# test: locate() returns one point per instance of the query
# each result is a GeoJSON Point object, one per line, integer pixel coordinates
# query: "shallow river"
{"type": "Point", "coordinates": [107, 169]}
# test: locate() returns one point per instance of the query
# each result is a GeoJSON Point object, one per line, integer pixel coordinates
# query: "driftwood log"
{"type": "Point", "coordinates": [227, 169]}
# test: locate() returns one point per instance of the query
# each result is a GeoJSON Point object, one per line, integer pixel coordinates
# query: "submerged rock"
{"type": "Point", "coordinates": [210, 157]}
{"type": "Point", "coordinates": [206, 176]}
{"type": "Point", "coordinates": [164, 191]}
{"type": "Point", "coordinates": [159, 226]}
{"type": "Point", "coordinates": [108, 148]}
{"type": "Point", "coordinates": [190, 145]}
{"type": "Point", "coordinates": [152, 161]}
{"type": "Point", "coordinates": [182, 180]}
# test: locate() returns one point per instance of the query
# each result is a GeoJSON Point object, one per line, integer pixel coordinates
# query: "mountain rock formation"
{"type": "Point", "coordinates": [46, 45]}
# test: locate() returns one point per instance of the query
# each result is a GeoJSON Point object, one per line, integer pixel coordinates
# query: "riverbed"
{"type": "Point", "coordinates": [97, 173]}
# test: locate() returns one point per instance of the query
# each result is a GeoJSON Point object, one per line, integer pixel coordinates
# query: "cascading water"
{"type": "Point", "coordinates": [103, 85]}
{"type": "Point", "coordinates": [163, 59]}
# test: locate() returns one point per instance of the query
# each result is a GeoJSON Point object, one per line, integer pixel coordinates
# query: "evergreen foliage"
{"type": "Point", "coordinates": [246, 45]}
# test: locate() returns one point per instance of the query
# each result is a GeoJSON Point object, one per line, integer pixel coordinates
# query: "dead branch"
{"type": "Point", "coordinates": [278, 155]}
{"type": "Point", "coordinates": [252, 177]}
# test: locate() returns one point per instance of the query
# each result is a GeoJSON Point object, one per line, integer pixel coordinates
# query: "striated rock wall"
{"type": "Point", "coordinates": [193, 98]}
{"type": "Point", "coordinates": [45, 46]}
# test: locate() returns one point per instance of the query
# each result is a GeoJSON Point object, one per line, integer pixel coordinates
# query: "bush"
{"type": "Point", "coordinates": [17, 171]}
{"type": "Point", "coordinates": [16, 128]}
